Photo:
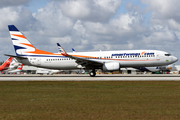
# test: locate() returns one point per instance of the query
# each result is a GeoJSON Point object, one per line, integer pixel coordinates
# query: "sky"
{"type": "Point", "coordinates": [91, 25]}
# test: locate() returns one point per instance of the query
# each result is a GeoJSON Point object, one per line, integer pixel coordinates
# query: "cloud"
{"type": "Point", "coordinates": [164, 12]}
{"type": "Point", "coordinates": [18, 16]}
{"type": "Point", "coordinates": [90, 10]}
{"type": "Point", "coordinates": [88, 25]}
{"type": "Point", "coordinates": [53, 21]}
{"type": "Point", "coordinates": [119, 30]}
{"type": "Point", "coordinates": [164, 8]}
{"type": "Point", "coordinates": [7, 3]}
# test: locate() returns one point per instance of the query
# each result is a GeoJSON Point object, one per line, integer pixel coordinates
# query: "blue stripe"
{"type": "Point", "coordinates": [16, 48]}
{"type": "Point", "coordinates": [12, 28]}
{"type": "Point", "coordinates": [14, 39]}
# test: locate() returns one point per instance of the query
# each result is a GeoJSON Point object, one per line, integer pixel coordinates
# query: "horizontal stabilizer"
{"type": "Point", "coordinates": [16, 56]}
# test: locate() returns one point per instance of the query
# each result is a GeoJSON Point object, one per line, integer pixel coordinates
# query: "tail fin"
{"type": "Point", "coordinates": [6, 64]}
{"type": "Point", "coordinates": [62, 51]}
{"type": "Point", "coordinates": [20, 42]}
{"type": "Point", "coordinates": [14, 64]}
{"type": "Point", "coordinates": [16, 70]}
{"type": "Point", "coordinates": [22, 46]}
{"type": "Point", "coordinates": [20, 67]}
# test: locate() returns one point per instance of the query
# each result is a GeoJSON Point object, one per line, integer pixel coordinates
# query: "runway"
{"type": "Point", "coordinates": [86, 77]}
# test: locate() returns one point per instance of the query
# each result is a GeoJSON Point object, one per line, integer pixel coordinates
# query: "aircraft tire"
{"type": "Point", "coordinates": [92, 73]}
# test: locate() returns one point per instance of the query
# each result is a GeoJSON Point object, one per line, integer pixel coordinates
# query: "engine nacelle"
{"type": "Point", "coordinates": [112, 66]}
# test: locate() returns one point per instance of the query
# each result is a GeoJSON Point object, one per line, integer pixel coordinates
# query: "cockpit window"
{"type": "Point", "coordinates": [167, 54]}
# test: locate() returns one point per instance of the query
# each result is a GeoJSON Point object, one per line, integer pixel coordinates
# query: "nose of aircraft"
{"type": "Point", "coordinates": [175, 59]}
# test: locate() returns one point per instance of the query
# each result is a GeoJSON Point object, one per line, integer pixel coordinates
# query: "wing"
{"type": "Point", "coordinates": [84, 61]}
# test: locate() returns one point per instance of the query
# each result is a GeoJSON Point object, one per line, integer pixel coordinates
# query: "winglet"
{"type": "Point", "coordinates": [73, 50]}
{"type": "Point", "coordinates": [62, 51]}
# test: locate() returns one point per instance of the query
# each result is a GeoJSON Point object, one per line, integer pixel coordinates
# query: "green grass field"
{"type": "Point", "coordinates": [89, 100]}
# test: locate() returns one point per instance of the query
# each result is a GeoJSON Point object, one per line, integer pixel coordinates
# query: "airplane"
{"type": "Point", "coordinates": [47, 71]}
{"type": "Point", "coordinates": [6, 64]}
{"type": "Point", "coordinates": [167, 68]}
{"type": "Point", "coordinates": [19, 69]}
{"type": "Point", "coordinates": [27, 54]}
{"type": "Point", "coordinates": [14, 65]}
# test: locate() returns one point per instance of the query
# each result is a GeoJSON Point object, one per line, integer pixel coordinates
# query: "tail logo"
{"type": "Point", "coordinates": [142, 53]}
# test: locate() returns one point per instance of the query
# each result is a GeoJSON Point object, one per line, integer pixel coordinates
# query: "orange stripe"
{"type": "Point", "coordinates": [27, 45]}
{"type": "Point", "coordinates": [110, 58]}
{"type": "Point", "coordinates": [21, 36]}
{"type": "Point", "coordinates": [142, 53]}
{"type": "Point", "coordinates": [37, 51]}
{"type": "Point", "coordinates": [82, 56]}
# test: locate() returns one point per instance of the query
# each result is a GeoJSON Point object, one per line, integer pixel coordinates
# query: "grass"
{"type": "Point", "coordinates": [90, 100]}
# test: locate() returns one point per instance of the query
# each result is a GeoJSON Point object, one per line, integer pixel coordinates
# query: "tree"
{"type": "Point", "coordinates": [1, 62]}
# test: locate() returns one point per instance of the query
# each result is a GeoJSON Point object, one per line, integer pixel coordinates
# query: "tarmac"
{"type": "Point", "coordinates": [86, 77]}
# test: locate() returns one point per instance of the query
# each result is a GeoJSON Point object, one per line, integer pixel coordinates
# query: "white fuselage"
{"type": "Point", "coordinates": [128, 58]}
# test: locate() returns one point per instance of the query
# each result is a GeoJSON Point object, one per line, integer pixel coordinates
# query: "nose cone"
{"type": "Point", "coordinates": [175, 59]}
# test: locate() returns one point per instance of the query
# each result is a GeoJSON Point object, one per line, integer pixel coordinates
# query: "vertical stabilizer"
{"type": "Point", "coordinates": [20, 42]}
{"type": "Point", "coordinates": [22, 46]}
{"type": "Point", "coordinates": [20, 67]}
{"type": "Point", "coordinates": [6, 64]}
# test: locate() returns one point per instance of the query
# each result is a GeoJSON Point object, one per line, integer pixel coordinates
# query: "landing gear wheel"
{"type": "Point", "coordinates": [92, 73]}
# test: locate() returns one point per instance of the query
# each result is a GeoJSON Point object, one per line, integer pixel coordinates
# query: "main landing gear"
{"type": "Point", "coordinates": [92, 73]}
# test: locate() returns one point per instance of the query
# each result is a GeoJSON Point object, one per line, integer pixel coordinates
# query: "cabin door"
{"type": "Point", "coordinates": [157, 56]}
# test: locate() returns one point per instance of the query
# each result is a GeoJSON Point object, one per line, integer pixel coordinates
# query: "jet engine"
{"type": "Point", "coordinates": [112, 66]}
